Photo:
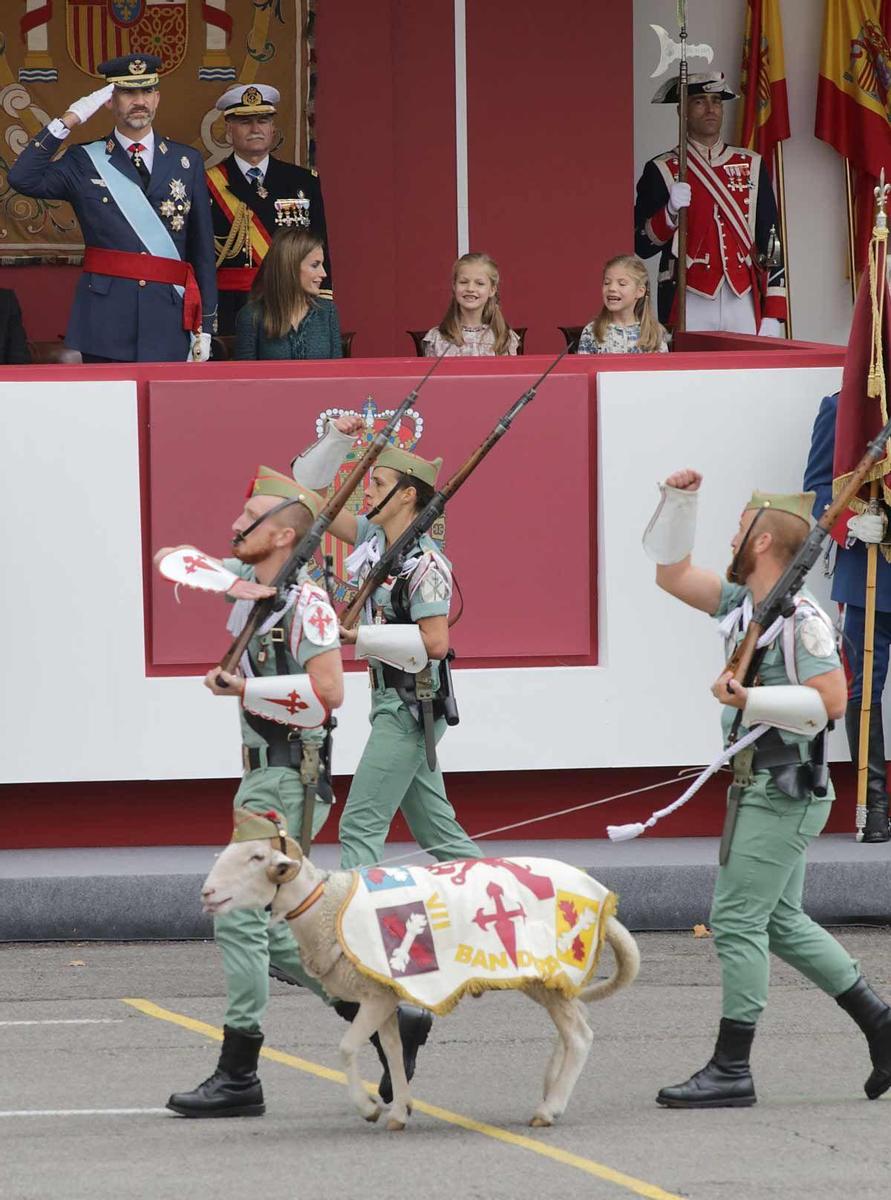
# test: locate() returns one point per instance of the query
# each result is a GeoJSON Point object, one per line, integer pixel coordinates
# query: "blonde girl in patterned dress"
{"type": "Point", "coordinates": [474, 324]}
{"type": "Point", "coordinates": [626, 324]}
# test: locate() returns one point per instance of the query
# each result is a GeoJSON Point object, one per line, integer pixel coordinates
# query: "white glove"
{"type": "Point", "coordinates": [669, 537]}
{"type": "Point", "coordinates": [86, 106]}
{"type": "Point", "coordinates": [867, 527]}
{"type": "Point", "coordinates": [199, 347]}
{"type": "Point", "coordinates": [770, 327]}
{"type": "Point", "coordinates": [678, 197]}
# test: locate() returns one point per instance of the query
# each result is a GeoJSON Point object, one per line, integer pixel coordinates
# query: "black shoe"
{"type": "Point", "coordinates": [234, 1089]}
{"type": "Point", "coordinates": [873, 1016]}
{"type": "Point", "coordinates": [726, 1079]}
{"type": "Point", "coordinates": [877, 827]}
{"type": "Point", "coordinates": [283, 976]}
{"type": "Point", "coordinates": [414, 1026]}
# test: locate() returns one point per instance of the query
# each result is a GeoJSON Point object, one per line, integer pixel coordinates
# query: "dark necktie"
{"type": "Point", "coordinates": [135, 151]}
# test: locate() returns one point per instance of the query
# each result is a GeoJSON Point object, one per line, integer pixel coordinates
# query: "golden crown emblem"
{"type": "Point", "coordinates": [136, 67]}
{"type": "Point", "coordinates": [251, 95]}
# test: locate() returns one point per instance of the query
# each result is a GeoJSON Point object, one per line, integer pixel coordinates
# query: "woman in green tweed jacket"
{"type": "Point", "coordinates": [286, 316]}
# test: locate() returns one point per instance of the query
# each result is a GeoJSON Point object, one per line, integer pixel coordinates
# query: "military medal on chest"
{"type": "Point", "coordinates": [293, 211]}
{"type": "Point", "coordinates": [176, 207]}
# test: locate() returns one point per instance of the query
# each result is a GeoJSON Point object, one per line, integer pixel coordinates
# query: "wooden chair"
{"type": "Point", "coordinates": [224, 346]}
{"type": "Point", "coordinates": [572, 334]}
{"type": "Point", "coordinates": [418, 335]}
{"type": "Point", "coordinates": [52, 352]}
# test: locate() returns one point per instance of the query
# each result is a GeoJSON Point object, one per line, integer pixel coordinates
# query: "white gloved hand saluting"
{"type": "Point", "coordinates": [679, 196]}
{"type": "Point", "coordinates": [86, 106]}
{"type": "Point", "coordinates": [199, 347]}
{"type": "Point", "coordinates": [867, 527]}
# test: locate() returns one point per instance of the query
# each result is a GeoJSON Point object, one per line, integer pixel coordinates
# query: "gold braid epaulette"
{"type": "Point", "coordinates": [238, 240]}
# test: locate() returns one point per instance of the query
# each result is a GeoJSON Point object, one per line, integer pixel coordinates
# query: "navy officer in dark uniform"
{"type": "Point", "coordinates": [148, 289]}
{"type": "Point", "coordinates": [849, 589]}
{"type": "Point", "coordinates": [244, 189]}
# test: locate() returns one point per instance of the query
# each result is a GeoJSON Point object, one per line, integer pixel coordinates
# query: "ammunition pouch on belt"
{"type": "Point", "coordinates": [794, 778]}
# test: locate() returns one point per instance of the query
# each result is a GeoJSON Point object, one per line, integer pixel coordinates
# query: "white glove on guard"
{"type": "Point", "coordinates": [867, 527]}
{"type": "Point", "coordinates": [200, 348]}
{"type": "Point", "coordinates": [679, 196]}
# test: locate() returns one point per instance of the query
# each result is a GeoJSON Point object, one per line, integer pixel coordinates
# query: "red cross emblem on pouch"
{"type": "Point", "coordinates": [292, 702]}
{"type": "Point", "coordinates": [197, 562]}
{"type": "Point", "coordinates": [502, 920]}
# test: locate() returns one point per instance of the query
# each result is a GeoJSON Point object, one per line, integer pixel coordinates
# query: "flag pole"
{"type": "Point", "coordinates": [875, 387]}
{"type": "Point", "coordinates": [681, 319]}
{"type": "Point", "coordinates": [784, 234]}
{"type": "Point", "coordinates": [852, 252]}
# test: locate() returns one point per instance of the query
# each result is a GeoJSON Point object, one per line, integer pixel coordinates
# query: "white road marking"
{"type": "Point", "coordinates": [80, 1112]}
{"type": "Point", "coordinates": [70, 1021]}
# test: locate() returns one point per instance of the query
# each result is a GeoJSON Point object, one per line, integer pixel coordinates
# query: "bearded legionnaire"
{"type": "Point", "coordinates": [735, 274]}
{"type": "Point", "coordinates": [849, 591]}
{"type": "Point", "coordinates": [253, 194]}
{"type": "Point", "coordinates": [781, 793]}
{"type": "Point", "coordinates": [291, 678]}
{"type": "Point", "coordinates": [148, 290]}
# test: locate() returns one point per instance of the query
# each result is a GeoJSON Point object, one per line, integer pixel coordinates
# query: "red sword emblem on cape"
{"type": "Point", "coordinates": [501, 920]}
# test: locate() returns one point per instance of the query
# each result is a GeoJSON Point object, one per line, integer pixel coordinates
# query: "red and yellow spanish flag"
{"type": "Point", "coordinates": [854, 99]}
{"type": "Point", "coordinates": [765, 107]}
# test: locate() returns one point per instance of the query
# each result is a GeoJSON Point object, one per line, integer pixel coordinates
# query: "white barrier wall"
{"type": "Point", "coordinates": [76, 704]}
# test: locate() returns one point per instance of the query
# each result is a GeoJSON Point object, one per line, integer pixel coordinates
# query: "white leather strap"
{"type": "Point", "coordinates": [396, 645]}
{"type": "Point", "coordinates": [196, 570]}
{"type": "Point", "coordinates": [671, 532]}
{"type": "Point", "coordinates": [285, 699]}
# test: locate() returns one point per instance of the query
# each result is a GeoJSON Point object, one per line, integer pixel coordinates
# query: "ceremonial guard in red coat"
{"type": "Point", "coordinates": [253, 194]}
{"type": "Point", "coordinates": [735, 272]}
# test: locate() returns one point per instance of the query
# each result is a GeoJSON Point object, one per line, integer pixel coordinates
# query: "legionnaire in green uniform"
{"type": "Point", "coordinates": [291, 677]}
{"type": "Point", "coordinates": [774, 810]}
{"type": "Point", "coordinates": [405, 640]}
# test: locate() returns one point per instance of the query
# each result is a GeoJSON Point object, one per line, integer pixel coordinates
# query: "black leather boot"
{"type": "Point", "coordinates": [726, 1079]}
{"type": "Point", "coordinates": [873, 1016]}
{"type": "Point", "coordinates": [234, 1089]}
{"type": "Point", "coordinates": [414, 1026]}
{"type": "Point", "coordinates": [877, 828]}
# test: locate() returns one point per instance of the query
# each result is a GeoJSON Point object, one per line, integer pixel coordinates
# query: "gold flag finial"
{"type": "Point", "coordinates": [881, 194]}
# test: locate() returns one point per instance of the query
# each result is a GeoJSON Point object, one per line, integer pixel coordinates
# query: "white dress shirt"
{"type": "Point", "coordinates": [244, 167]}
{"type": "Point", "coordinates": [146, 139]}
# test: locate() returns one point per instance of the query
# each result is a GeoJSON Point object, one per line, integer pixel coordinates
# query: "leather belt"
{"type": "Point", "coordinates": [385, 676]}
{"type": "Point", "coordinates": [286, 753]}
{"type": "Point", "coordinates": [772, 751]}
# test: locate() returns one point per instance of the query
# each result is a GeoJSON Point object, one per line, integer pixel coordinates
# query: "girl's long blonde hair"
{"type": "Point", "coordinates": [277, 286]}
{"type": "Point", "coordinates": [450, 325]}
{"type": "Point", "coordinates": [651, 332]}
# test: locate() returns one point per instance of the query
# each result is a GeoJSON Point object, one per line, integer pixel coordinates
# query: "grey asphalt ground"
{"type": "Point", "coordinates": [812, 1135]}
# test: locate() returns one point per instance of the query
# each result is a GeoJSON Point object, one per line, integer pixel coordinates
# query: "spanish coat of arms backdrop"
{"type": "Point", "coordinates": [49, 54]}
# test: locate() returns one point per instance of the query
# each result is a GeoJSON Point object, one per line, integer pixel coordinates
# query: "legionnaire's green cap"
{"type": "Point", "coordinates": [410, 464]}
{"type": "Point", "coordinates": [132, 71]}
{"type": "Point", "coordinates": [268, 482]}
{"type": "Point", "coordinates": [699, 83]}
{"type": "Point", "coordinates": [252, 827]}
{"type": "Point", "coordinates": [796, 504]}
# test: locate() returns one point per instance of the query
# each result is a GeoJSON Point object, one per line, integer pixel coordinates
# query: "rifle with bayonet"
{"type": "Point", "coordinates": [309, 543]}
{"type": "Point", "coordinates": [391, 561]}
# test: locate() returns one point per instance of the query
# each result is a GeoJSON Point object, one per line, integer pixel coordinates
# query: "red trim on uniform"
{"type": "Point", "coordinates": [236, 279]}
{"type": "Point", "coordinates": [122, 264]}
{"type": "Point", "coordinates": [661, 225]}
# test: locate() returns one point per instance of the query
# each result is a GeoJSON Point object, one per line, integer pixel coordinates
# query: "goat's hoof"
{"type": "Point", "coordinates": [395, 1126]}
{"type": "Point", "coordinates": [540, 1122]}
{"type": "Point", "coordinates": [372, 1115]}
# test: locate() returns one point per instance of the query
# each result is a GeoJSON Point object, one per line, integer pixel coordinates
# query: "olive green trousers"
{"type": "Point", "coordinates": [756, 910]}
{"type": "Point", "coordinates": [393, 774]}
{"type": "Point", "coordinates": [247, 941]}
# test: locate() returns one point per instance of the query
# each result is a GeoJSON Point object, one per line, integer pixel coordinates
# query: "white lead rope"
{"type": "Point", "coordinates": [624, 833]}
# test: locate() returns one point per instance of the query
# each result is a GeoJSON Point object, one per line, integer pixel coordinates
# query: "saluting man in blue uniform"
{"type": "Point", "coordinates": [148, 290]}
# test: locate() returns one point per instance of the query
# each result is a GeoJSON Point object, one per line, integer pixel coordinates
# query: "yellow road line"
{"type": "Point", "coordinates": [588, 1165]}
